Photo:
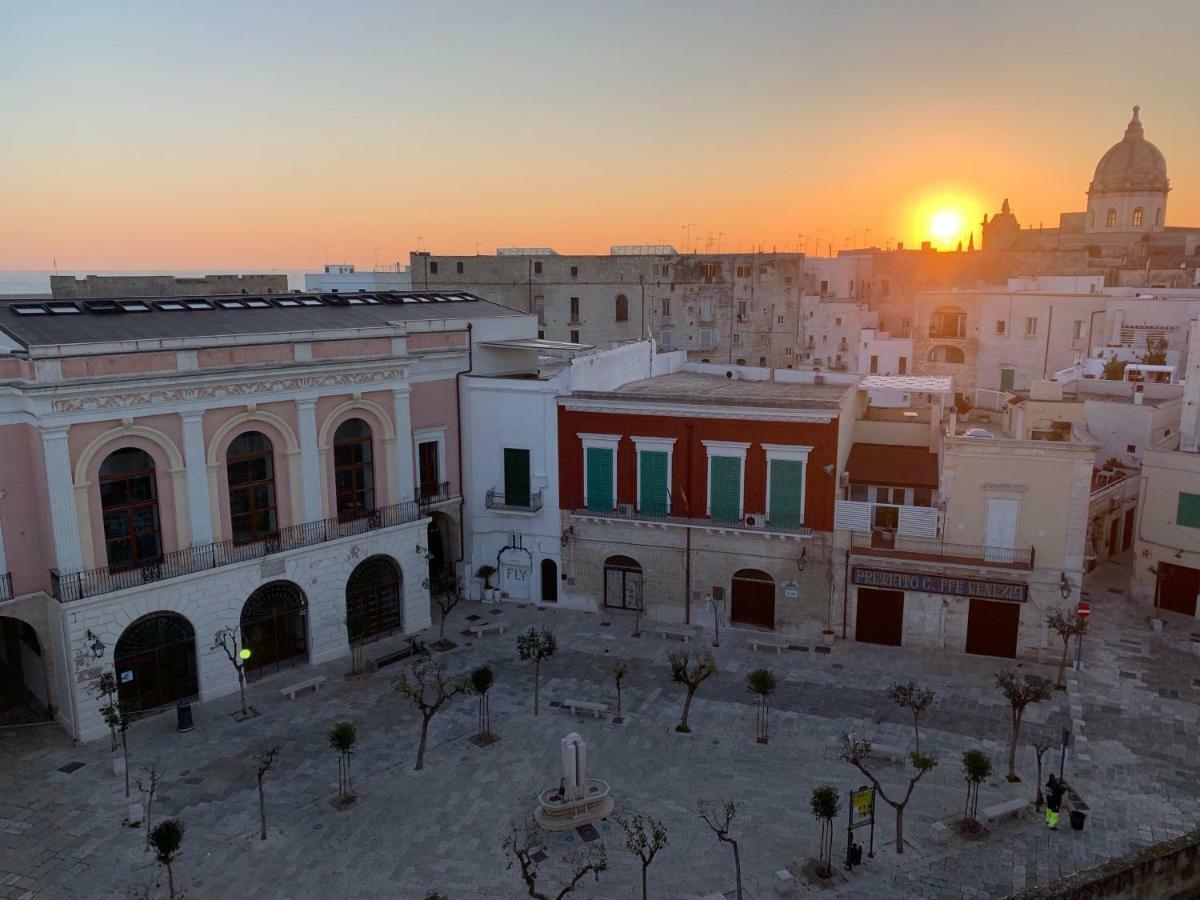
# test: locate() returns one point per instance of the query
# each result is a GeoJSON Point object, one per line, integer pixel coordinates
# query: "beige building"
{"type": "Point", "coordinates": [95, 287]}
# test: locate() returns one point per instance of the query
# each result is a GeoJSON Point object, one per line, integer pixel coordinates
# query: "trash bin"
{"type": "Point", "coordinates": [856, 854]}
{"type": "Point", "coordinates": [183, 715]}
{"type": "Point", "coordinates": [1078, 817]}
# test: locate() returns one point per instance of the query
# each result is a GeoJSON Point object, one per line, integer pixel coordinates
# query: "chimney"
{"type": "Point", "coordinates": [1139, 394]}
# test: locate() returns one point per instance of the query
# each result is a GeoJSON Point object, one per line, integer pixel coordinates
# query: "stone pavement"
{"type": "Point", "coordinates": [1134, 705]}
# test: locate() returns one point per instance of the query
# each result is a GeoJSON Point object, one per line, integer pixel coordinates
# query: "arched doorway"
{"type": "Point", "coordinates": [549, 581]}
{"type": "Point", "coordinates": [622, 583]}
{"type": "Point", "coordinates": [374, 600]}
{"type": "Point", "coordinates": [753, 601]}
{"type": "Point", "coordinates": [516, 573]}
{"type": "Point", "coordinates": [24, 688]}
{"type": "Point", "coordinates": [155, 662]}
{"type": "Point", "coordinates": [436, 548]}
{"type": "Point", "coordinates": [275, 628]}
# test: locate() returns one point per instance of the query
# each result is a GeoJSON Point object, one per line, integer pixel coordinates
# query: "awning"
{"type": "Point", "coordinates": [893, 466]}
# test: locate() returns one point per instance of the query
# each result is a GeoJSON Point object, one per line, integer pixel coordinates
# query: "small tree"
{"type": "Point", "coordinates": [1020, 691]}
{"type": "Point", "coordinates": [105, 688]}
{"type": "Point", "coordinates": [446, 590]}
{"type": "Point", "coordinates": [719, 822]}
{"type": "Point", "coordinates": [114, 717]}
{"type": "Point", "coordinates": [486, 573]}
{"type": "Point", "coordinates": [482, 680]}
{"type": "Point", "coordinates": [166, 839]}
{"type": "Point", "coordinates": [761, 683]}
{"type": "Point", "coordinates": [1156, 351]}
{"type": "Point", "coordinates": [229, 640]}
{"type": "Point", "coordinates": [825, 807]}
{"type": "Point", "coordinates": [429, 690]}
{"type": "Point", "coordinates": [152, 779]}
{"type": "Point", "coordinates": [521, 846]}
{"type": "Point", "coordinates": [1114, 369]}
{"type": "Point", "coordinates": [1067, 626]}
{"type": "Point", "coordinates": [691, 677]}
{"type": "Point", "coordinates": [619, 671]}
{"type": "Point", "coordinates": [342, 738]}
{"type": "Point", "coordinates": [538, 646]}
{"type": "Point", "coordinates": [857, 752]}
{"type": "Point", "coordinates": [644, 837]}
{"type": "Point", "coordinates": [914, 698]}
{"type": "Point", "coordinates": [977, 768]}
{"type": "Point", "coordinates": [355, 635]}
{"type": "Point", "coordinates": [1040, 745]}
{"type": "Point", "coordinates": [262, 765]}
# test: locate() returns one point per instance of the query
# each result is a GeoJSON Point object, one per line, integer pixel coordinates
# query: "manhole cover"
{"type": "Point", "coordinates": [588, 832]}
{"type": "Point", "coordinates": [606, 624]}
{"type": "Point", "coordinates": [496, 612]}
{"type": "Point", "coordinates": [70, 767]}
{"type": "Point", "coordinates": [540, 856]}
{"type": "Point", "coordinates": [473, 618]}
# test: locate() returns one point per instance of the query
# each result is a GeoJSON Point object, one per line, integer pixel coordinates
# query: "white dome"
{"type": "Point", "coordinates": [1134, 164]}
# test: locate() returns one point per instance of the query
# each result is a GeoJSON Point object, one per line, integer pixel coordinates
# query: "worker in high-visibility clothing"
{"type": "Point", "coordinates": [1054, 796]}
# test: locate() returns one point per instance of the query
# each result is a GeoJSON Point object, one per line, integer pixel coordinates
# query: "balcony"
{"type": "Point", "coordinates": [677, 515]}
{"type": "Point", "coordinates": [879, 543]}
{"type": "Point", "coordinates": [433, 493]}
{"type": "Point", "coordinates": [203, 557]}
{"type": "Point", "coordinates": [528, 503]}
{"type": "Point", "coordinates": [6, 588]}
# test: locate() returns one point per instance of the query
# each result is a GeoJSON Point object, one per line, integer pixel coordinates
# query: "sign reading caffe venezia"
{"type": "Point", "coordinates": [940, 584]}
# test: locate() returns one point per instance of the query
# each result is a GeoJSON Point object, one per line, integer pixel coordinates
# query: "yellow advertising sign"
{"type": "Point", "coordinates": [862, 807]}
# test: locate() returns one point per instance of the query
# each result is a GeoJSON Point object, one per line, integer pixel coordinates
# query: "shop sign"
{"type": "Point", "coordinates": [940, 584]}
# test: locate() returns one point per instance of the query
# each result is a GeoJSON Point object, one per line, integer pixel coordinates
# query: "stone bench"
{"type": "Point", "coordinates": [1005, 810]}
{"type": "Point", "coordinates": [293, 689]}
{"type": "Point", "coordinates": [888, 753]}
{"type": "Point", "coordinates": [760, 643]}
{"type": "Point", "coordinates": [596, 709]}
{"type": "Point", "coordinates": [680, 633]}
{"type": "Point", "coordinates": [489, 628]}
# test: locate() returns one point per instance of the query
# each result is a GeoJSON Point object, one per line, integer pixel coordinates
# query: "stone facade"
{"type": "Point", "coordinates": [96, 287]}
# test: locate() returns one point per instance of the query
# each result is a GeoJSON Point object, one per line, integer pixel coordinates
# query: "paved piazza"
{"type": "Point", "coordinates": [1135, 706]}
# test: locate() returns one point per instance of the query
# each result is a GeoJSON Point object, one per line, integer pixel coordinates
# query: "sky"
{"type": "Point", "coordinates": [285, 135]}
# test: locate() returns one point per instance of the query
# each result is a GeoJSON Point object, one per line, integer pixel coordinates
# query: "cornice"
{"type": "Point", "coordinates": [700, 411]}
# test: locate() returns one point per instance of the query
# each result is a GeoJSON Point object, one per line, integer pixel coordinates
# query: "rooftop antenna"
{"type": "Point", "coordinates": [420, 237]}
{"type": "Point", "coordinates": [720, 234]}
{"type": "Point", "coordinates": [685, 232]}
{"type": "Point", "coordinates": [54, 259]}
{"type": "Point", "coordinates": [376, 256]}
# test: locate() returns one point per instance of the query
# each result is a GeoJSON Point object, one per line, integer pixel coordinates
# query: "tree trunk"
{"type": "Point", "coordinates": [170, 881]}
{"type": "Point", "coordinates": [421, 746]}
{"type": "Point", "coordinates": [737, 868]}
{"type": "Point", "coordinates": [1012, 747]}
{"type": "Point", "coordinates": [537, 671]}
{"type": "Point", "coordinates": [262, 811]}
{"type": "Point", "coordinates": [1037, 800]}
{"type": "Point", "coordinates": [349, 787]}
{"type": "Point", "coordinates": [687, 704]}
{"type": "Point", "coordinates": [899, 829]}
{"type": "Point", "coordinates": [917, 732]}
{"type": "Point", "coordinates": [241, 672]}
{"type": "Point", "coordinates": [645, 888]}
{"type": "Point", "coordinates": [1062, 663]}
{"type": "Point", "coordinates": [618, 699]}
{"type": "Point", "coordinates": [442, 626]}
{"type": "Point", "coordinates": [125, 752]}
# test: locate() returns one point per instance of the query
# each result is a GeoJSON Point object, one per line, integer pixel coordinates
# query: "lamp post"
{"type": "Point", "coordinates": [716, 609]}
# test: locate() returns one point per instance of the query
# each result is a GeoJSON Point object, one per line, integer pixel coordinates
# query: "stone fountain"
{"type": "Point", "coordinates": [578, 800]}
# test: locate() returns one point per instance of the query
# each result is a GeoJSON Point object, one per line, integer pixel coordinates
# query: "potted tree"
{"type": "Point", "coordinates": [490, 594]}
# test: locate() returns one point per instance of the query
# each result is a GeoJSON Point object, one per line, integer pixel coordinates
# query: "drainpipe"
{"type": "Point", "coordinates": [845, 595]}
{"type": "Point", "coordinates": [1046, 355]}
{"type": "Point", "coordinates": [462, 511]}
{"type": "Point", "coordinates": [687, 532]}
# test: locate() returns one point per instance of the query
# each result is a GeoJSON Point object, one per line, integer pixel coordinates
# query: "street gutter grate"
{"type": "Point", "coordinates": [70, 767]}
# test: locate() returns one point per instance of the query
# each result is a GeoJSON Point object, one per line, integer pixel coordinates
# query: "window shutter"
{"type": "Point", "coordinates": [787, 485]}
{"type": "Point", "coordinates": [654, 489]}
{"type": "Point", "coordinates": [1189, 510]}
{"type": "Point", "coordinates": [516, 477]}
{"type": "Point", "coordinates": [724, 490]}
{"type": "Point", "coordinates": [599, 462]}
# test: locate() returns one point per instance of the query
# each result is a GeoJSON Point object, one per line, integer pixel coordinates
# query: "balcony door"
{"type": "Point", "coordinates": [1002, 517]}
{"type": "Point", "coordinates": [516, 477]}
{"type": "Point", "coordinates": [429, 467]}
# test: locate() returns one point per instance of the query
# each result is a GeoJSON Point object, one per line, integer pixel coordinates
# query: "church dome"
{"type": "Point", "coordinates": [1134, 164]}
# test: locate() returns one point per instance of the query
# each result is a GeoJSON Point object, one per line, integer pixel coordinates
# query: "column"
{"type": "Point", "coordinates": [196, 464]}
{"type": "Point", "coordinates": [68, 554]}
{"type": "Point", "coordinates": [3, 558]}
{"type": "Point", "coordinates": [402, 412]}
{"type": "Point", "coordinates": [310, 461]}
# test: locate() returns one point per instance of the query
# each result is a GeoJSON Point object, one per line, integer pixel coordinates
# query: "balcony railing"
{"type": "Point", "coordinates": [428, 494]}
{"type": "Point", "coordinates": [884, 544]}
{"type": "Point", "coordinates": [6, 588]}
{"type": "Point", "coordinates": [531, 502]}
{"type": "Point", "coordinates": [670, 513]}
{"type": "Point", "coordinates": [92, 583]}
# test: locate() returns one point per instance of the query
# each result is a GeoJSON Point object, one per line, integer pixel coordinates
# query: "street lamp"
{"type": "Point", "coordinates": [716, 608]}
{"type": "Point", "coordinates": [1064, 586]}
{"type": "Point", "coordinates": [97, 645]}
{"type": "Point", "coordinates": [803, 560]}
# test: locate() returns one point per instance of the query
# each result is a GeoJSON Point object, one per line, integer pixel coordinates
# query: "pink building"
{"type": "Point", "coordinates": [286, 464]}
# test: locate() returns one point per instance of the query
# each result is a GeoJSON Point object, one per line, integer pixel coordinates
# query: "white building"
{"type": "Point", "coordinates": [344, 278]}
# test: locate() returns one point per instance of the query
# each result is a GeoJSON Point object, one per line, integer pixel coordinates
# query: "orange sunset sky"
{"type": "Point", "coordinates": [269, 135]}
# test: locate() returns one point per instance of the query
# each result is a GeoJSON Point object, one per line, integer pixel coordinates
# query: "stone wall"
{"type": "Point", "coordinates": [92, 287]}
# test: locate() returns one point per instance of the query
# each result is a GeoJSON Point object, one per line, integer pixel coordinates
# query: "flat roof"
{"type": "Point", "coordinates": [705, 388]}
{"type": "Point", "coordinates": [921, 384]}
{"type": "Point", "coordinates": [535, 344]}
{"type": "Point", "coordinates": [48, 322]}
{"type": "Point", "coordinates": [892, 465]}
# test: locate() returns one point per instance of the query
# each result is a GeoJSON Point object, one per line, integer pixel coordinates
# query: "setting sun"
{"type": "Point", "coordinates": [946, 226]}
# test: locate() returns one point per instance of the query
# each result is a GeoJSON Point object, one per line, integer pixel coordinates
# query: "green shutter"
{"type": "Point", "coordinates": [599, 461]}
{"type": "Point", "coordinates": [1189, 510]}
{"type": "Point", "coordinates": [653, 480]}
{"type": "Point", "coordinates": [724, 488]}
{"type": "Point", "coordinates": [787, 486]}
{"type": "Point", "coordinates": [516, 477]}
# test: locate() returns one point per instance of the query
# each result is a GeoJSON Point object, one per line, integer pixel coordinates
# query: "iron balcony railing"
{"type": "Point", "coordinates": [92, 583]}
{"type": "Point", "coordinates": [672, 513]}
{"type": "Point", "coordinates": [530, 502]}
{"type": "Point", "coordinates": [6, 588]}
{"type": "Point", "coordinates": [882, 543]}
{"type": "Point", "coordinates": [428, 494]}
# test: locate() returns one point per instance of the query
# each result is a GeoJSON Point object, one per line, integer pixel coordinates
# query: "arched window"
{"type": "Point", "coordinates": [622, 583]}
{"type": "Point", "coordinates": [155, 662]}
{"type": "Point", "coordinates": [374, 600]}
{"type": "Point", "coordinates": [353, 470]}
{"type": "Point", "coordinates": [1111, 219]}
{"type": "Point", "coordinates": [946, 355]}
{"type": "Point", "coordinates": [948, 322]}
{"type": "Point", "coordinates": [274, 628]}
{"type": "Point", "coordinates": [129, 501]}
{"type": "Point", "coordinates": [250, 466]}
{"type": "Point", "coordinates": [622, 308]}
{"type": "Point", "coordinates": [1137, 217]}
{"type": "Point", "coordinates": [753, 599]}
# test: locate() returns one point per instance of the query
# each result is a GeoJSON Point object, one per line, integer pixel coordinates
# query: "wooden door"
{"type": "Point", "coordinates": [1177, 588]}
{"type": "Point", "coordinates": [992, 628]}
{"type": "Point", "coordinates": [1114, 537]}
{"type": "Point", "coordinates": [880, 617]}
{"type": "Point", "coordinates": [1127, 540]}
{"type": "Point", "coordinates": [753, 600]}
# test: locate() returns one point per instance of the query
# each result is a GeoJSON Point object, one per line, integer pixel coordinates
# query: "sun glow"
{"type": "Point", "coordinates": [946, 226]}
{"type": "Point", "coordinates": [945, 215]}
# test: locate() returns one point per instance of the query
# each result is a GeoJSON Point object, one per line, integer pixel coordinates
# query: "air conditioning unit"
{"type": "Point", "coordinates": [625, 509]}
{"type": "Point", "coordinates": [754, 521]}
